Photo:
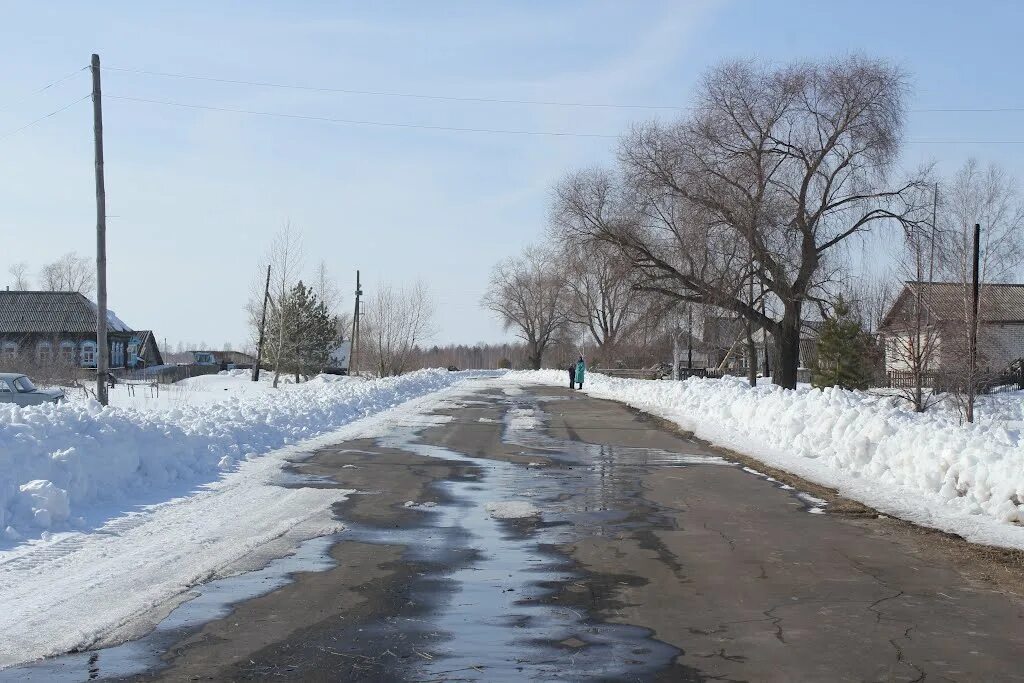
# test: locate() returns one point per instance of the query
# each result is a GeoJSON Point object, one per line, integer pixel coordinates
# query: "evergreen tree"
{"type": "Point", "coordinates": [845, 352]}
{"type": "Point", "coordinates": [307, 329]}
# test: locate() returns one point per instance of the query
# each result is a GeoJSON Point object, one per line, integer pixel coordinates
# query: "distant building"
{"type": "Point", "coordinates": [943, 316]}
{"type": "Point", "coordinates": [223, 359]}
{"type": "Point", "coordinates": [50, 328]}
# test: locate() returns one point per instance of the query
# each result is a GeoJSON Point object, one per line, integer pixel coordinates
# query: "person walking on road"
{"type": "Point", "coordinates": [572, 376]}
{"type": "Point", "coordinates": [581, 369]}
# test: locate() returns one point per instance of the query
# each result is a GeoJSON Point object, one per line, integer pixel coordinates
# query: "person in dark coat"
{"type": "Point", "coordinates": [572, 376]}
{"type": "Point", "coordinates": [581, 369]}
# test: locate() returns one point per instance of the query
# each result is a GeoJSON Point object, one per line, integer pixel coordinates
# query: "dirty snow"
{"type": "Point", "coordinates": [522, 419]}
{"type": "Point", "coordinates": [927, 468]}
{"type": "Point", "coordinates": [512, 509]}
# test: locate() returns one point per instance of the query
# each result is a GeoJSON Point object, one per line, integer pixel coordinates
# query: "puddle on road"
{"type": "Point", "coordinates": [496, 621]}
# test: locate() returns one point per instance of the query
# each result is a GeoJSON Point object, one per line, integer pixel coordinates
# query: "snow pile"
{"type": "Point", "coordinates": [201, 390]}
{"type": "Point", "coordinates": [58, 460]}
{"type": "Point", "coordinates": [928, 468]}
{"type": "Point", "coordinates": [512, 509]}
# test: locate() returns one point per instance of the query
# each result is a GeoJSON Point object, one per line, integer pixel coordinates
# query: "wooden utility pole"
{"type": "Point", "coordinates": [102, 348]}
{"type": "Point", "coordinates": [972, 372]}
{"type": "Point", "coordinates": [263, 325]}
{"type": "Point", "coordinates": [355, 329]}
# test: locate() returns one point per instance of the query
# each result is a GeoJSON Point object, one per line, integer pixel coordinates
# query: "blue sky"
{"type": "Point", "coordinates": [195, 196]}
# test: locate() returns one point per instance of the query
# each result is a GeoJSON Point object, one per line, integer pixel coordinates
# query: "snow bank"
{"type": "Point", "coordinates": [927, 468]}
{"type": "Point", "coordinates": [58, 460]}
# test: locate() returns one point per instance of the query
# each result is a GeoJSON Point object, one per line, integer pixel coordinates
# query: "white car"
{"type": "Point", "coordinates": [18, 389]}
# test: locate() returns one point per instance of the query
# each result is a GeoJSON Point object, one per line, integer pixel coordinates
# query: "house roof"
{"type": "Point", "coordinates": [946, 301]}
{"type": "Point", "coordinates": [26, 312]}
{"type": "Point", "coordinates": [145, 337]}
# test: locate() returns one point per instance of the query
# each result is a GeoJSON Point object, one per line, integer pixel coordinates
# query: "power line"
{"type": "Point", "coordinates": [965, 142]}
{"type": "Point", "coordinates": [43, 89]}
{"type": "Point", "coordinates": [359, 122]}
{"type": "Point", "coordinates": [495, 100]}
{"type": "Point", "coordinates": [43, 118]}
{"type": "Point", "coordinates": [458, 129]}
{"type": "Point", "coordinates": [385, 93]}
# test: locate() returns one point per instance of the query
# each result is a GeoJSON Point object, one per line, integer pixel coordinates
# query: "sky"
{"type": "Point", "coordinates": [195, 196]}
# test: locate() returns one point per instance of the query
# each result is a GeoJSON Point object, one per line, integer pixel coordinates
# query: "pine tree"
{"type": "Point", "coordinates": [845, 352]}
{"type": "Point", "coordinates": [309, 332]}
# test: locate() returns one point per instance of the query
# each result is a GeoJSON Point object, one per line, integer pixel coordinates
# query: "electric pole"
{"type": "Point", "coordinates": [355, 329]}
{"type": "Point", "coordinates": [103, 360]}
{"type": "Point", "coordinates": [263, 324]}
{"type": "Point", "coordinates": [973, 332]}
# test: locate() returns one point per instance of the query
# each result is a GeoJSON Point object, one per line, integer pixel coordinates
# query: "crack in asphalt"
{"type": "Point", "coordinates": [874, 607]}
{"type": "Point", "coordinates": [777, 622]}
{"type": "Point", "coordinates": [731, 542]}
{"type": "Point", "coordinates": [721, 655]}
{"type": "Point", "coordinates": [860, 567]}
{"type": "Point", "coordinates": [901, 656]}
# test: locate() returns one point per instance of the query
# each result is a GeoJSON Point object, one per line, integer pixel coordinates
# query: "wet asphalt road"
{"type": "Point", "coordinates": [652, 558]}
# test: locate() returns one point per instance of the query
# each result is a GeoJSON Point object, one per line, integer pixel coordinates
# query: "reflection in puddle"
{"type": "Point", "coordinates": [497, 622]}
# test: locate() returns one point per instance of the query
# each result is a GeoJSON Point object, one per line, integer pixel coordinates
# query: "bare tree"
{"type": "Point", "coordinates": [602, 296]}
{"type": "Point", "coordinates": [913, 332]}
{"type": "Point", "coordinates": [19, 273]}
{"type": "Point", "coordinates": [327, 290]}
{"type": "Point", "coordinates": [69, 273]}
{"type": "Point", "coordinates": [988, 196]}
{"type": "Point", "coordinates": [285, 257]}
{"type": "Point", "coordinates": [770, 175]}
{"type": "Point", "coordinates": [870, 298]}
{"type": "Point", "coordinates": [529, 293]}
{"type": "Point", "coordinates": [396, 321]}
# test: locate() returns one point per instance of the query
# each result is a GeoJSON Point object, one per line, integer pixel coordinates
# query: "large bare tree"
{"type": "Point", "coordinates": [69, 273]}
{"type": "Point", "coordinates": [768, 177]}
{"type": "Point", "coordinates": [529, 293]}
{"type": "Point", "coordinates": [602, 297]}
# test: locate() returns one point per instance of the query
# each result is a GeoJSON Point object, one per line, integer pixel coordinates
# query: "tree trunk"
{"type": "Point", "coordinates": [675, 355]}
{"type": "Point", "coordinates": [751, 356]}
{"type": "Point", "coordinates": [536, 353]}
{"type": "Point", "coordinates": [787, 347]}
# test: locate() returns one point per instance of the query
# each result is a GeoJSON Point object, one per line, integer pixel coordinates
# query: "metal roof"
{"type": "Point", "coordinates": [946, 301]}
{"type": "Point", "coordinates": [25, 312]}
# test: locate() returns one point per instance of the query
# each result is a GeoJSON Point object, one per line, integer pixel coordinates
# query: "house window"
{"type": "Point", "coordinates": [89, 354]}
{"type": "Point", "coordinates": [44, 352]}
{"type": "Point", "coordinates": [10, 351]}
{"type": "Point", "coordinates": [67, 352]}
{"type": "Point", "coordinates": [117, 355]}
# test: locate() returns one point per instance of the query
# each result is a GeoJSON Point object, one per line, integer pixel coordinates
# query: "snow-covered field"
{"type": "Point", "coordinates": [196, 391]}
{"type": "Point", "coordinates": [127, 508]}
{"type": "Point", "coordinates": [927, 468]}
